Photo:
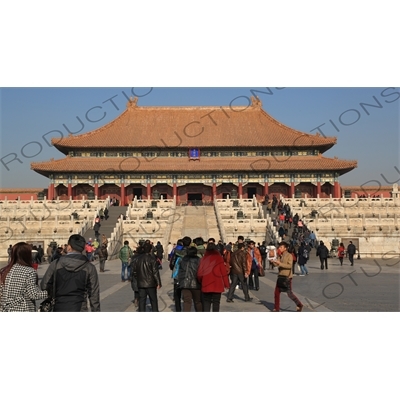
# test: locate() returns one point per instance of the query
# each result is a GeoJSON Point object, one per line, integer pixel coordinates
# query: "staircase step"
{"type": "Point", "coordinates": [107, 226]}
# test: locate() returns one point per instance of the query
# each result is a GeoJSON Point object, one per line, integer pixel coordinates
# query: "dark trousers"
{"type": "Point", "coordinates": [211, 298]}
{"type": "Point", "coordinates": [189, 295]}
{"type": "Point", "coordinates": [152, 293]}
{"type": "Point", "coordinates": [290, 294]}
{"type": "Point", "coordinates": [264, 262]}
{"type": "Point", "coordinates": [324, 262]}
{"type": "Point", "coordinates": [177, 296]}
{"type": "Point", "coordinates": [351, 258]}
{"type": "Point", "coordinates": [254, 272]}
{"type": "Point", "coordinates": [235, 279]}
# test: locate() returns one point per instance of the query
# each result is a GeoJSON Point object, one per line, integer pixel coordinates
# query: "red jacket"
{"type": "Point", "coordinates": [212, 273]}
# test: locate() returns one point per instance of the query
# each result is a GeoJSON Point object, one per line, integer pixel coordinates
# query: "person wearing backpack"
{"type": "Point", "coordinates": [263, 251]}
{"type": "Point", "coordinates": [125, 255]}
{"type": "Point", "coordinates": [271, 254]}
{"type": "Point", "coordinates": [303, 258]}
{"type": "Point", "coordinates": [179, 253]}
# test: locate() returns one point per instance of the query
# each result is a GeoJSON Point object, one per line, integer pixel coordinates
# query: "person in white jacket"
{"type": "Point", "coordinates": [271, 254]}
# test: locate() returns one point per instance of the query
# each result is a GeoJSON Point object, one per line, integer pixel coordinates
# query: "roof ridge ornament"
{"type": "Point", "coordinates": [255, 101]}
{"type": "Point", "coordinates": [132, 103]}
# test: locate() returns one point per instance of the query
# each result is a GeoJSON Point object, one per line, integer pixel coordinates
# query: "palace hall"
{"type": "Point", "coordinates": [193, 154]}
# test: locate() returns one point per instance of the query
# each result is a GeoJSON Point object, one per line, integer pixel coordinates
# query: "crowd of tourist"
{"type": "Point", "coordinates": [201, 270]}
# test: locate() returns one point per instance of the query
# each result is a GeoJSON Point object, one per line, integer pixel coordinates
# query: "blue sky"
{"type": "Point", "coordinates": [367, 134]}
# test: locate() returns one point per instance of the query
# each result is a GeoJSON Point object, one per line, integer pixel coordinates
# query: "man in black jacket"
{"type": "Point", "coordinates": [323, 252]}
{"type": "Point", "coordinates": [187, 279]}
{"type": "Point", "coordinates": [351, 251]}
{"type": "Point", "coordinates": [76, 279]}
{"type": "Point", "coordinates": [147, 275]}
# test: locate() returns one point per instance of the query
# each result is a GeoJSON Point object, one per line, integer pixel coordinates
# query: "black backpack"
{"type": "Point", "coordinates": [263, 250]}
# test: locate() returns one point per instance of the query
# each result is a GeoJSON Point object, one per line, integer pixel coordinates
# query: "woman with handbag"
{"type": "Point", "coordinates": [284, 282]}
{"type": "Point", "coordinates": [18, 282]}
{"type": "Point", "coordinates": [341, 251]}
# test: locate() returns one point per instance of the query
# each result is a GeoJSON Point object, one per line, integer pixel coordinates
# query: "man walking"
{"type": "Point", "coordinates": [125, 254]}
{"type": "Point", "coordinates": [351, 251]}
{"type": "Point", "coordinates": [147, 275]}
{"type": "Point", "coordinates": [323, 252]}
{"type": "Point", "coordinates": [238, 263]}
{"type": "Point", "coordinates": [74, 279]}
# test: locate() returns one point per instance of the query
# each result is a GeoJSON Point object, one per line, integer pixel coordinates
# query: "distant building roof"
{"type": "Point", "coordinates": [183, 164]}
{"type": "Point", "coordinates": [185, 127]}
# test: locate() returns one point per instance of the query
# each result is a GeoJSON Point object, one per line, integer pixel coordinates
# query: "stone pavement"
{"type": "Point", "coordinates": [370, 285]}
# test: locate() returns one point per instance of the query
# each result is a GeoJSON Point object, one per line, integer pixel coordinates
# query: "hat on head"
{"type": "Point", "coordinates": [77, 242]}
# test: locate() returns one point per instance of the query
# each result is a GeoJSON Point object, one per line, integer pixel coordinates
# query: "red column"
{"type": "Point", "coordinates": [96, 190]}
{"type": "Point", "coordinates": [240, 190]}
{"type": "Point", "coordinates": [50, 192]}
{"type": "Point", "coordinates": [336, 190]}
{"type": "Point", "coordinates": [122, 202]}
{"type": "Point", "coordinates": [214, 191]}
{"type": "Point", "coordinates": [319, 189]}
{"type": "Point", "coordinates": [174, 191]}
{"type": "Point", "coordinates": [291, 189]}
{"type": "Point", "coordinates": [148, 191]}
{"type": "Point", "coordinates": [266, 188]}
{"type": "Point", "coordinates": [69, 190]}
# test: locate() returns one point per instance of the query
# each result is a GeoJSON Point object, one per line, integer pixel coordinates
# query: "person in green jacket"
{"type": "Point", "coordinates": [125, 255]}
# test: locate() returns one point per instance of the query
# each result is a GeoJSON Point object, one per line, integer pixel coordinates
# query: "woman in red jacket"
{"type": "Point", "coordinates": [341, 251]}
{"type": "Point", "coordinates": [213, 278]}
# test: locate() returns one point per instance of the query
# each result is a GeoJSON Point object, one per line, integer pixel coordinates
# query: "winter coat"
{"type": "Point", "coordinates": [200, 250]}
{"type": "Point", "coordinates": [187, 275]}
{"type": "Point", "coordinates": [125, 254]}
{"type": "Point", "coordinates": [322, 251]}
{"type": "Point", "coordinates": [341, 252]}
{"type": "Point", "coordinates": [212, 273]}
{"type": "Point", "coordinates": [159, 251]}
{"type": "Point", "coordinates": [257, 257]}
{"type": "Point", "coordinates": [287, 263]}
{"type": "Point", "coordinates": [351, 249]}
{"type": "Point", "coordinates": [145, 270]}
{"type": "Point", "coordinates": [238, 262]}
{"type": "Point", "coordinates": [20, 290]}
{"type": "Point", "coordinates": [76, 281]}
{"type": "Point", "coordinates": [102, 253]}
{"type": "Point", "coordinates": [301, 259]}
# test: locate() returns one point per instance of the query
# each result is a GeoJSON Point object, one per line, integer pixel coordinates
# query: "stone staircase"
{"type": "Point", "coordinates": [107, 226]}
{"type": "Point", "coordinates": [194, 222]}
{"type": "Point", "coordinates": [176, 231]}
{"type": "Point", "coordinates": [212, 224]}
